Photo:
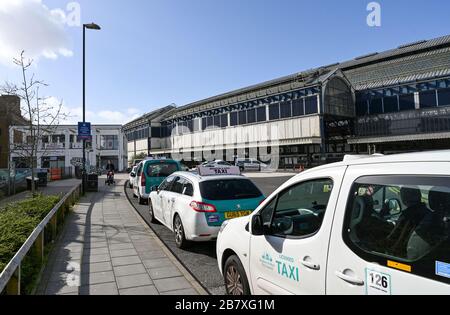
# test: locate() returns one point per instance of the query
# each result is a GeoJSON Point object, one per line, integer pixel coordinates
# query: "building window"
{"type": "Point", "coordinates": [444, 97]}
{"type": "Point", "coordinates": [242, 117]}
{"type": "Point", "coordinates": [376, 106]}
{"type": "Point", "coordinates": [338, 98]}
{"type": "Point", "coordinates": [210, 121]}
{"type": "Point", "coordinates": [298, 108]}
{"type": "Point", "coordinates": [311, 106]}
{"type": "Point", "coordinates": [285, 110]}
{"type": "Point", "coordinates": [362, 107]}
{"type": "Point", "coordinates": [156, 132]}
{"type": "Point", "coordinates": [274, 111]}
{"type": "Point", "coordinates": [204, 123]}
{"type": "Point", "coordinates": [251, 116]}
{"type": "Point", "coordinates": [390, 104]}
{"type": "Point", "coordinates": [261, 114]}
{"type": "Point", "coordinates": [234, 119]}
{"type": "Point", "coordinates": [196, 126]}
{"type": "Point", "coordinates": [407, 102]}
{"type": "Point", "coordinates": [190, 125]}
{"type": "Point", "coordinates": [109, 142]}
{"type": "Point", "coordinates": [216, 121]}
{"type": "Point", "coordinates": [224, 120]}
{"type": "Point", "coordinates": [428, 99]}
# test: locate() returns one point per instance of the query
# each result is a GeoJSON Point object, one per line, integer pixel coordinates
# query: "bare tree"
{"type": "Point", "coordinates": [42, 118]}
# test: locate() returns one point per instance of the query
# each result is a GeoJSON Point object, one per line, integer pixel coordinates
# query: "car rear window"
{"type": "Point", "coordinates": [162, 169]}
{"type": "Point", "coordinates": [229, 189]}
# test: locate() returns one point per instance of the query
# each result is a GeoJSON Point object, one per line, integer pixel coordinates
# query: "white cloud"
{"type": "Point", "coordinates": [103, 116]}
{"type": "Point", "coordinates": [31, 26]}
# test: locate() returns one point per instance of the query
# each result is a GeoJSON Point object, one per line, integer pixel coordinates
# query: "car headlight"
{"type": "Point", "coordinates": [224, 225]}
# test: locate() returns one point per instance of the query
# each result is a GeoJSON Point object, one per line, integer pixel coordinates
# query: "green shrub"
{"type": "Point", "coordinates": [18, 221]}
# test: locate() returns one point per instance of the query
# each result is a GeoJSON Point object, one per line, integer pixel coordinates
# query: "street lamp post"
{"type": "Point", "coordinates": [91, 26]}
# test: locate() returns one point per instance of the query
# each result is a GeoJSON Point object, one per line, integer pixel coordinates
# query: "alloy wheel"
{"type": "Point", "coordinates": [234, 282]}
{"type": "Point", "coordinates": [179, 233]}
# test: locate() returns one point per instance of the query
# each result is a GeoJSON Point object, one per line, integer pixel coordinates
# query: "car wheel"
{"type": "Point", "coordinates": [236, 282]}
{"type": "Point", "coordinates": [150, 211]}
{"type": "Point", "coordinates": [180, 237]}
{"type": "Point", "coordinates": [141, 201]}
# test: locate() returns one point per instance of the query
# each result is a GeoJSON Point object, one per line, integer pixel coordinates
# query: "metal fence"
{"type": "Point", "coordinates": [37, 244]}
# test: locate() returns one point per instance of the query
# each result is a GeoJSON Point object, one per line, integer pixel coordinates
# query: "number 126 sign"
{"type": "Point", "coordinates": [377, 283]}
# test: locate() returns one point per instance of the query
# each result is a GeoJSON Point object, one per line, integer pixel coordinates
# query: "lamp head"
{"type": "Point", "coordinates": [92, 26]}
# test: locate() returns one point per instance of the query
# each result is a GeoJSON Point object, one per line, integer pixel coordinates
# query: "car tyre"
{"type": "Point", "coordinates": [236, 282]}
{"type": "Point", "coordinates": [141, 201]}
{"type": "Point", "coordinates": [180, 236]}
{"type": "Point", "coordinates": [151, 212]}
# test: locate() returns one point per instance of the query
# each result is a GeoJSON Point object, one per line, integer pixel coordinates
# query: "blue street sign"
{"type": "Point", "coordinates": [84, 131]}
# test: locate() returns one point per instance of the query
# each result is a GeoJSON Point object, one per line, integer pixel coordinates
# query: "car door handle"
{"type": "Point", "coordinates": [349, 279]}
{"type": "Point", "coordinates": [309, 264]}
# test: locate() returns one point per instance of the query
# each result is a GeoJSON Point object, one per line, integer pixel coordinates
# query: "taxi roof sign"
{"type": "Point", "coordinates": [218, 170]}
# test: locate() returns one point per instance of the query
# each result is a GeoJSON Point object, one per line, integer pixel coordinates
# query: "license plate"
{"type": "Point", "coordinates": [237, 214]}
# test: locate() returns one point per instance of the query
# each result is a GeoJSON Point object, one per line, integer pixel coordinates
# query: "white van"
{"type": "Point", "coordinates": [374, 226]}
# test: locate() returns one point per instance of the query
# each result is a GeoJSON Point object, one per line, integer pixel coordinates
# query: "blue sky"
{"type": "Point", "coordinates": [152, 53]}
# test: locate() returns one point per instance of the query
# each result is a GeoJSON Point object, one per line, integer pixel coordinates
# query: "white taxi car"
{"type": "Point", "coordinates": [132, 177]}
{"type": "Point", "coordinates": [194, 205]}
{"type": "Point", "coordinates": [374, 226]}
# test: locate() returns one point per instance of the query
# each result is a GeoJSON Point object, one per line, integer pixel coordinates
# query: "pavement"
{"type": "Point", "coordinates": [53, 188]}
{"type": "Point", "coordinates": [107, 249]}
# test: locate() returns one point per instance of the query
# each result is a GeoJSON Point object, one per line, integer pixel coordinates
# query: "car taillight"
{"type": "Point", "coordinates": [143, 182]}
{"type": "Point", "coordinates": [202, 207]}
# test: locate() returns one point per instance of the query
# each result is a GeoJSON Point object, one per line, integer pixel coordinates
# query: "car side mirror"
{"type": "Point", "coordinates": [394, 206]}
{"type": "Point", "coordinates": [133, 175]}
{"type": "Point", "coordinates": [257, 225]}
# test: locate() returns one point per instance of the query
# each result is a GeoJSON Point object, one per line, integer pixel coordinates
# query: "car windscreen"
{"type": "Point", "coordinates": [164, 169]}
{"type": "Point", "coordinates": [229, 189]}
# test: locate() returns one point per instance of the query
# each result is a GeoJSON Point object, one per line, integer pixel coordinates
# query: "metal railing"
{"type": "Point", "coordinates": [10, 278]}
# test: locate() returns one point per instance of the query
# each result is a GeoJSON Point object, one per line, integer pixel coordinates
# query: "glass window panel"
{"type": "Point", "coordinates": [251, 116]}
{"type": "Point", "coordinates": [285, 110]}
{"type": "Point", "coordinates": [390, 104]}
{"type": "Point", "coordinates": [242, 117]}
{"type": "Point", "coordinates": [298, 108]}
{"type": "Point", "coordinates": [311, 106]}
{"type": "Point", "coordinates": [224, 120]}
{"type": "Point", "coordinates": [376, 106]}
{"type": "Point", "coordinates": [234, 119]}
{"type": "Point", "coordinates": [444, 97]}
{"type": "Point", "coordinates": [428, 99]}
{"type": "Point", "coordinates": [274, 111]}
{"type": "Point", "coordinates": [261, 114]}
{"type": "Point", "coordinates": [407, 102]}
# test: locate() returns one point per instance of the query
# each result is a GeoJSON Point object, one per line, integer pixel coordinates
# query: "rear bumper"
{"type": "Point", "coordinates": [198, 230]}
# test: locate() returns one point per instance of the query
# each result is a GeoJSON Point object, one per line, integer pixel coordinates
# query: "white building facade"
{"type": "Point", "coordinates": [61, 148]}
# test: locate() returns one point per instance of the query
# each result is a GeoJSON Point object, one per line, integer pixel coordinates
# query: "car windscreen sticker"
{"type": "Point", "coordinates": [443, 269]}
{"type": "Point", "coordinates": [377, 283]}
